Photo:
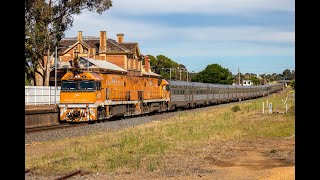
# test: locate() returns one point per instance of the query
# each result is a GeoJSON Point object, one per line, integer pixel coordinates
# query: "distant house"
{"type": "Point", "coordinates": [125, 55]}
{"type": "Point", "coordinates": [246, 83]}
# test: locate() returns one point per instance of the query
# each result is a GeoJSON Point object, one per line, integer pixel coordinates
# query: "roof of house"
{"type": "Point", "coordinates": [151, 74]}
{"type": "Point", "coordinates": [94, 42]}
{"type": "Point", "coordinates": [129, 45]}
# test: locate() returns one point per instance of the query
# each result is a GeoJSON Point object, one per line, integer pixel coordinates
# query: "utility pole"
{"type": "Point", "coordinates": [170, 73]}
{"type": "Point", "coordinates": [55, 77]}
{"type": "Point", "coordinates": [88, 60]}
{"type": "Point", "coordinates": [239, 75]}
{"type": "Point", "coordinates": [187, 77]}
{"type": "Point", "coordinates": [180, 74]}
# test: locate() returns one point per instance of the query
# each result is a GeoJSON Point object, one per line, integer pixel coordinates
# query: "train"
{"type": "Point", "coordinates": [89, 96]}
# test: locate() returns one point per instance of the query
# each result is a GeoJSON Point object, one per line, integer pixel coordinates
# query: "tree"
{"type": "Point", "coordinates": [293, 74]}
{"type": "Point", "coordinates": [45, 24]}
{"type": "Point", "coordinates": [162, 64]}
{"type": "Point", "coordinates": [286, 74]}
{"type": "Point", "coordinates": [255, 80]}
{"type": "Point", "coordinates": [215, 74]}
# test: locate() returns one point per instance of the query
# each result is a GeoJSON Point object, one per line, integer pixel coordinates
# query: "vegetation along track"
{"type": "Point", "coordinates": [72, 125]}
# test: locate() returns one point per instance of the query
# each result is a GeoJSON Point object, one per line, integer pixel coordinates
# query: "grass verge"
{"type": "Point", "coordinates": [142, 148]}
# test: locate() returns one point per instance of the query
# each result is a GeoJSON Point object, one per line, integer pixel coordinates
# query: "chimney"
{"type": "Point", "coordinates": [103, 41]}
{"type": "Point", "coordinates": [147, 64]}
{"type": "Point", "coordinates": [120, 37]}
{"type": "Point", "coordinates": [79, 35]}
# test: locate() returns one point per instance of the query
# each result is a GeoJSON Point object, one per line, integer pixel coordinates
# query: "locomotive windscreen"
{"type": "Point", "coordinates": [68, 85]}
{"type": "Point", "coordinates": [86, 85]}
{"type": "Point", "coordinates": [78, 85]}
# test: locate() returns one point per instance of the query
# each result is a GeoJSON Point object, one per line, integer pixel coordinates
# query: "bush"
{"type": "Point", "coordinates": [235, 108]}
{"type": "Point", "coordinates": [293, 84]}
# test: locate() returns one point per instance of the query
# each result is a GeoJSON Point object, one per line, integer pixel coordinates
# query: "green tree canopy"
{"type": "Point", "coordinates": [255, 80]}
{"type": "Point", "coordinates": [162, 64]}
{"type": "Point", "coordinates": [215, 74]}
{"type": "Point", "coordinates": [286, 74]}
{"type": "Point", "coordinates": [45, 24]}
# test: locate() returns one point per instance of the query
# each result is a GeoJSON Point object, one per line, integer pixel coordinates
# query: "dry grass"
{"type": "Point", "coordinates": [143, 148]}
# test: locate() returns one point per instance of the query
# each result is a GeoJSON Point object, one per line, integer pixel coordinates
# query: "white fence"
{"type": "Point", "coordinates": [35, 95]}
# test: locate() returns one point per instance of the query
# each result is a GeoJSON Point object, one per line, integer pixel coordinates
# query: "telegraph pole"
{"type": "Point", "coordinates": [239, 75]}
{"type": "Point", "coordinates": [187, 77]}
{"type": "Point", "coordinates": [55, 76]}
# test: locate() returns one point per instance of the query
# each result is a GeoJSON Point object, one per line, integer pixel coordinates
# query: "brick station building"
{"type": "Point", "coordinates": [126, 55]}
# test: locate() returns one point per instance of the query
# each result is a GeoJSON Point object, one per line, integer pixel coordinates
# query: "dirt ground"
{"type": "Point", "coordinates": [260, 158]}
{"type": "Point", "coordinates": [251, 159]}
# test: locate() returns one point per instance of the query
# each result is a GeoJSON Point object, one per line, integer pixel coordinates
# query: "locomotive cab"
{"type": "Point", "coordinates": [79, 95]}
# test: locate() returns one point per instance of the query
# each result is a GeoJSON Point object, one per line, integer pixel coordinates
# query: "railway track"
{"type": "Point", "coordinates": [66, 176]}
{"type": "Point", "coordinates": [50, 127]}
{"type": "Point", "coordinates": [67, 125]}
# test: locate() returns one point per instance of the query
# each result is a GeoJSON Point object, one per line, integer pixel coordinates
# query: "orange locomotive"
{"type": "Point", "coordinates": [92, 96]}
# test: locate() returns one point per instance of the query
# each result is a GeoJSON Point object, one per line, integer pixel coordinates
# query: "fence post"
{"type": "Point", "coordinates": [262, 107]}
{"type": "Point", "coordinates": [270, 108]}
{"type": "Point", "coordinates": [267, 105]}
{"type": "Point", "coordinates": [35, 95]}
{"type": "Point", "coordinates": [286, 108]}
{"type": "Point", "coordinates": [49, 95]}
{"type": "Point", "coordinates": [42, 94]}
{"type": "Point", "coordinates": [27, 94]}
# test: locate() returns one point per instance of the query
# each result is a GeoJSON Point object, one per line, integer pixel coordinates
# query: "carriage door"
{"type": "Point", "coordinates": [127, 95]}
{"type": "Point", "coordinates": [107, 93]}
{"type": "Point", "coordinates": [186, 98]}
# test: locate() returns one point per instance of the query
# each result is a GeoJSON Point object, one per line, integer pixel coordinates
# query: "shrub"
{"type": "Point", "coordinates": [235, 108]}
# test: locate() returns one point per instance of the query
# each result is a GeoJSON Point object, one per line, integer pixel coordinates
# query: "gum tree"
{"type": "Point", "coordinates": [45, 24]}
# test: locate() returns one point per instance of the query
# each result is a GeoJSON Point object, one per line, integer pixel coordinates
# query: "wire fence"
{"type": "Point", "coordinates": [36, 95]}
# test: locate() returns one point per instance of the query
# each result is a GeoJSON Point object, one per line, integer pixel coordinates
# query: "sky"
{"type": "Point", "coordinates": [253, 36]}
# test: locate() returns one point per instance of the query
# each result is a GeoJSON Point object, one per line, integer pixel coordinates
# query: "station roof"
{"type": "Point", "coordinates": [93, 64]}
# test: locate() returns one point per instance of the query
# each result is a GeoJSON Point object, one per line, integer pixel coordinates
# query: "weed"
{"type": "Point", "coordinates": [235, 108]}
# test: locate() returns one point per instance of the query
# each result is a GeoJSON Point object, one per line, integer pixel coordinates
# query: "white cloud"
{"type": "Point", "coordinates": [209, 41]}
{"type": "Point", "coordinates": [139, 31]}
{"type": "Point", "coordinates": [200, 6]}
